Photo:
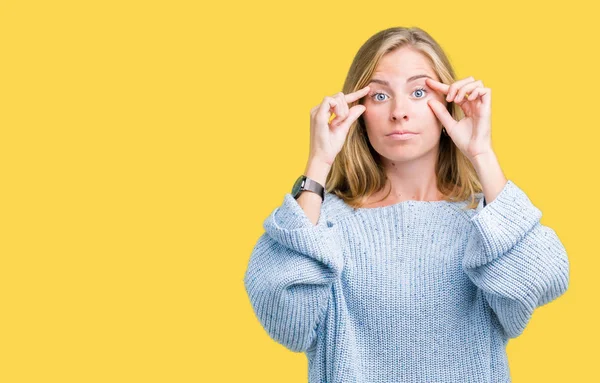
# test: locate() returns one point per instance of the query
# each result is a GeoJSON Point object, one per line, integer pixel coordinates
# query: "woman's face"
{"type": "Point", "coordinates": [397, 100]}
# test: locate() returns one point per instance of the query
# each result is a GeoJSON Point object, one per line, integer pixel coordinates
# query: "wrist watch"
{"type": "Point", "coordinates": [304, 183]}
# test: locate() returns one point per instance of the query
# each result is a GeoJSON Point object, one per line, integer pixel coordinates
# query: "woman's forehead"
{"type": "Point", "coordinates": [387, 79]}
{"type": "Point", "coordinates": [403, 63]}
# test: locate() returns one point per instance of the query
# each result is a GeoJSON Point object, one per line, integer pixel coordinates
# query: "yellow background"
{"type": "Point", "coordinates": [145, 142]}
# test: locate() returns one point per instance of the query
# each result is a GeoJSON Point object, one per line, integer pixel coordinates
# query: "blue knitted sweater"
{"type": "Point", "coordinates": [415, 292]}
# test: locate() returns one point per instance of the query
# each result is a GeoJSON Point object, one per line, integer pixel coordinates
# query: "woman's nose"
{"type": "Point", "coordinates": [399, 109]}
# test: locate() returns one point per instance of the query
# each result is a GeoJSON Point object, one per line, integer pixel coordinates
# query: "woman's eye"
{"type": "Point", "coordinates": [374, 96]}
{"type": "Point", "coordinates": [378, 96]}
{"type": "Point", "coordinates": [421, 90]}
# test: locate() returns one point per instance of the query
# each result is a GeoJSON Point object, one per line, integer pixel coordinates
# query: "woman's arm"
{"type": "Point", "coordinates": [291, 272]}
{"type": "Point", "coordinates": [518, 263]}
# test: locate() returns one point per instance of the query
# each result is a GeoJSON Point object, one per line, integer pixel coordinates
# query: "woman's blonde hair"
{"type": "Point", "coordinates": [357, 171]}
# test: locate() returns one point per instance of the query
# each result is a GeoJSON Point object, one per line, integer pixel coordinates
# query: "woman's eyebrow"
{"type": "Point", "coordinates": [412, 78]}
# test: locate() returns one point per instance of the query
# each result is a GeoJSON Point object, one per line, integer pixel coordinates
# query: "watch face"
{"type": "Point", "coordinates": [298, 185]}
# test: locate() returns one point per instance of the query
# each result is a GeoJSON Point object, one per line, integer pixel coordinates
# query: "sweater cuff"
{"type": "Point", "coordinates": [503, 222]}
{"type": "Point", "coordinates": [289, 225]}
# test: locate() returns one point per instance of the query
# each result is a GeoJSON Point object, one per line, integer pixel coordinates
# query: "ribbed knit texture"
{"type": "Point", "coordinates": [415, 292]}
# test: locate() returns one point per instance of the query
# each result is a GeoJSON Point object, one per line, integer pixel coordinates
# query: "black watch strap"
{"type": "Point", "coordinates": [303, 183]}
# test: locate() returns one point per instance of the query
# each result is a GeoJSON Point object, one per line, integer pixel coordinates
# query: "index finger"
{"type": "Point", "coordinates": [436, 85]}
{"type": "Point", "coordinates": [350, 97]}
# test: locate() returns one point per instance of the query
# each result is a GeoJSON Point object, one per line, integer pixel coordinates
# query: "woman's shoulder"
{"type": "Point", "coordinates": [466, 205]}
{"type": "Point", "coordinates": [335, 207]}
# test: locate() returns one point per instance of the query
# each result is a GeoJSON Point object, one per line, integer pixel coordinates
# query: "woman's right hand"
{"type": "Point", "coordinates": [327, 138]}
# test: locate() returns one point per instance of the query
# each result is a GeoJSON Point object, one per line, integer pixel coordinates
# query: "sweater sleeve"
{"type": "Point", "coordinates": [290, 274]}
{"type": "Point", "coordinates": [517, 262]}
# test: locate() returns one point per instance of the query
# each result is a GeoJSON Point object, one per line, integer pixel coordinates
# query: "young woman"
{"type": "Point", "coordinates": [403, 254]}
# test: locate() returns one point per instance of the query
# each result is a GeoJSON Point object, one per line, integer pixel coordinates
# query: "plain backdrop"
{"type": "Point", "coordinates": [143, 143]}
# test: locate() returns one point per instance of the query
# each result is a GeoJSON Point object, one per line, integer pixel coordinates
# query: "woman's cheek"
{"type": "Point", "coordinates": [370, 112]}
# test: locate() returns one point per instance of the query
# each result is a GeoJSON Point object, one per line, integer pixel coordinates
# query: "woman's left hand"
{"type": "Point", "coordinates": [472, 134]}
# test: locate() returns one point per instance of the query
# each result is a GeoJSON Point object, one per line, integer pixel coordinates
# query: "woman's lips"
{"type": "Point", "coordinates": [403, 136]}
